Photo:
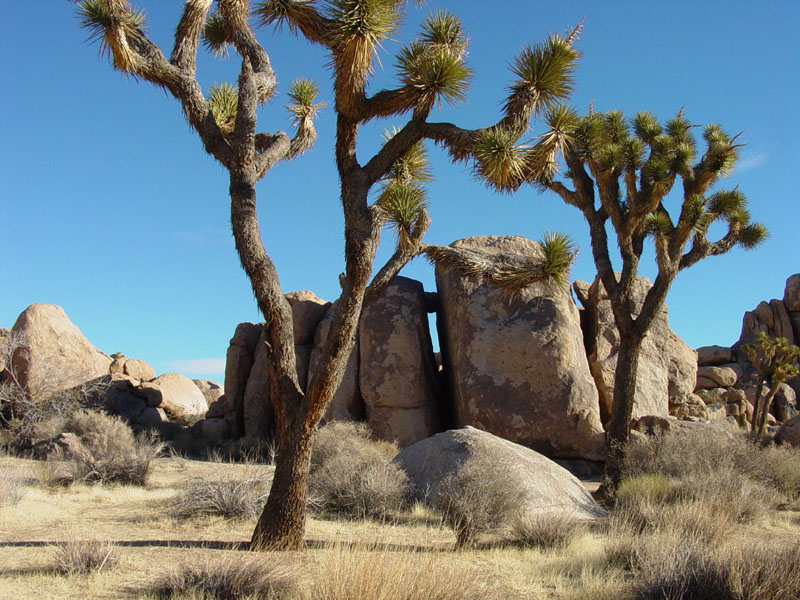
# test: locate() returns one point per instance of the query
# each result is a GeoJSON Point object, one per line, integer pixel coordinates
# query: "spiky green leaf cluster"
{"type": "Point", "coordinates": [775, 358]}
{"type": "Point", "coordinates": [403, 204]}
{"type": "Point", "coordinates": [433, 67]}
{"type": "Point", "coordinates": [499, 160]}
{"type": "Point", "coordinates": [214, 39]}
{"type": "Point", "coordinates": [303, 93]}
{"type": "Point", "coordinates": [542, 160]}
{"type": "Point", "coordinates": [403, 199]}
{"type": "Point", "coordinates": [111, 28]}
{"type": "Point", "coordinates": [560, 252]}
{"type": "Point", "coordinates": [223, 99]}
{"type": "Point", "coordinates": [413, 165]}
{"type": "Point", "coordinates": [545, 73]}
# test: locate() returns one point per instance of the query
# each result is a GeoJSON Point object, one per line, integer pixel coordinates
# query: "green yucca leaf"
{"type": "Point", "coordinates": [433, 73]}
{"type": "Point", "coordinates": [683, 157]}
{"type": "Point", "coordinates": [694, 210]}
{"type": "Point", "coordinates": [498, 160]}
{"type": "Point", "coordinates": [369, 20]}
{"type": "Point", "coordinates": [714, 135]}
{"type": "Point", "coordinates": [444, 28]}
{"type": "Point", "coordinates": [658, 223]}
{"type": "Point", "coordinates": [302, 93]}
{"type": "Point", "coordinates": [546, 70]}
{"type": "Point", "coordinates": [615, 127]}
{"type": "Point", "coordinates": [402, 204]}
{"type": "Point", "coordinates": [633, 152]}
{"type": "Point", "coordinates": [752, 236]}
{"type": "Point", "coordinates": [560, 253]}
{"type": "Point", "coordinates": [726, 201]}
{"type": "Point", "coordinates": [646, 126]}
{"type": "Point", "coordinates": [611, 156]}
{"type": "Point", "coordinates": [738, 216]}
{"type": "Point", "coordinates": [413, 166]}
{"type": "Point", "coordinates": [663, 146]}
{"type": "Point", "coordinates": [214, 36]}
{"type": "Point", "coordinates": [679, 129]}
{"type": "Point", "coordinates": [97, 19]}
{"type": "Point", "coordinates": [223, 99]}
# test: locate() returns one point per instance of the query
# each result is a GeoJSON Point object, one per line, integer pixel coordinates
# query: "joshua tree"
{"type": "Point", "coordinates": [774, 360]}
{"type": "Point", "coordinates": [431, 69]}
{"type": "Point", "coordinates": [621, 173]}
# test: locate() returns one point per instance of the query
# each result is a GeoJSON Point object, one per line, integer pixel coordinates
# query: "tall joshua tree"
{"type": "Point", "coordinates": [431, 69]}
{"type": "Point", "coordinates": [621, 173]}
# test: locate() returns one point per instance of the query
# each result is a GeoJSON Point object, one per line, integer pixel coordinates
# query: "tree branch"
{"type": "Point", "coordinates": [187, 35]}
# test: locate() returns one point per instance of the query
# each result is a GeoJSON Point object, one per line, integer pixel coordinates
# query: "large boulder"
{"type": "Point", "coordinates": [55, 356]}
{"type": "Point", "coordinates": [789, 433]}
{"type": "Point", "coordinates": [178, 396]}
{"type": "Point", "coordinates": [137, 370]}
{"type": "Point", "coordinates": [307, 311]}
{"type": "Point", "coordinates": [397, 369]}
{"type": "Point", "coordinates": [771, 318]}
{"type": "Point", "coordinates": [791, 293]}
{"type": "Point", "coordinates": [710, 377]}
{"type": "Point", "coordinates": [347, 404]}
{"type": "Point", "coordinates": [258, 416]}
{"type": "Point", "coordinates": [211, 390]}
{"type": "Point", "coordinates": [714, 355]}
{"type": "Point", "coordinates": [517, 366]}
{"type": "Point", "coordinates": [548, 486]}
{"type": "Point", "coordinates": [238, 363]}
{"type": "Point", "coordinates": [667, 366]}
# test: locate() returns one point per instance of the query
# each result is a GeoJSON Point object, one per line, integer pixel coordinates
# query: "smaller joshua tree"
{"type": "Point", "coordinates": [620, 173]}
{"type": "Point", "coordinates": [774, 360]}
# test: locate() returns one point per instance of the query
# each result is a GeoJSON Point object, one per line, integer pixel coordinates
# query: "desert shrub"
{"type": "Point", "coordinates": [480, 496]}
{"type": "Point", "coordinates": [225, 493]}
{"type": "Point", "coordinates": [41, 418]}
{"type": "Point", "coordinates": [345, 573]}
{"type": "Point", "coordinates": [12, 489]}
{"type": "Point", "coordinates": [652, 487]}
{"type": "Point", "coordinates": [724, 467]}
{"type": "Point", "coordinates": [687, 571]}
{"type": "Point", "coordinates": [82, 557]}
{"type": "Point", "coordinates": [229, 577]}
{"type": "Point", "coordinates": [113, 453]}
{"type": "Point", "coordinates": [352, 474]}
{"type": "Point", "coordinates": [546, 530]}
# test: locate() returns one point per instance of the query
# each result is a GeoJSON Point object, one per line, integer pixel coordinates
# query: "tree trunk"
{"type": "Point", "coordinates": [757, 403]}
{"type": "Point", "coordinates": [282, 523]}
{"type": "Point", "coordinates": [762, 423]}
{"type": "Point", "coordinates": [619, 431]}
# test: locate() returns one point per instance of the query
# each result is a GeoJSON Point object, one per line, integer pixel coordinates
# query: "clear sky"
{"type": "Point", "coordinates": [110, 208]}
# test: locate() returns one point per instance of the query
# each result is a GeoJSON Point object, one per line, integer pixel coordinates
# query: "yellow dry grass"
{"type": "Point", "coordinates": [409, 557]}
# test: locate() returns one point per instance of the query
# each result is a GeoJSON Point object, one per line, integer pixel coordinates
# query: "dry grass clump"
{"type": "Point", "coordinates": [688, 571]}
{"type": "Point", "coordinates": [82, 557]}
{"type": "Point", "coordinates": [224, 493]}
{"type": "Point", "coordinates": [546, 530]}
{"type": "Point", "coordinates": [112, 453]}
{"type": "Point", "coordinates": [344, 573]}
{"type": "Point", "coordinates": [352, 474]}
{"type": "Point", "coordinates": [12, 489]}
{"type": "Point", "coordinates": [479, 497]}
{"type": "Point", "coordinates": [232, 576]}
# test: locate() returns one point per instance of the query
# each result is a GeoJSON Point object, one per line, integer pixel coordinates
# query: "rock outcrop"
{"type": "Point", "coordinates": [56, 356]}
{"type": "Point", "coordinates": [178, 396]}
{"type": "Point", "coordinates": [517, 367]}
{"type": "Point", "coordinates": [397, 369]}
{"type": "Point", "coordinates": [667, 366]}
{"type": "Point", "coordinates": [789, 433]}
{"type": "Point", "coordinates": [347, 404]}
{"type": "Point", "coordinates": [548, 486]}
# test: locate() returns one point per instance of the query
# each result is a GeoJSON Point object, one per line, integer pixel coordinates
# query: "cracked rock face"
{"type": "Point", "coordinates": [518, 367]}
{"type": "Point", "coordinates": [397, 369]}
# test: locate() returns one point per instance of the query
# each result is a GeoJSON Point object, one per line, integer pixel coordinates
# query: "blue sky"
{"type": "Point", "coordinates": [110, 208]}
